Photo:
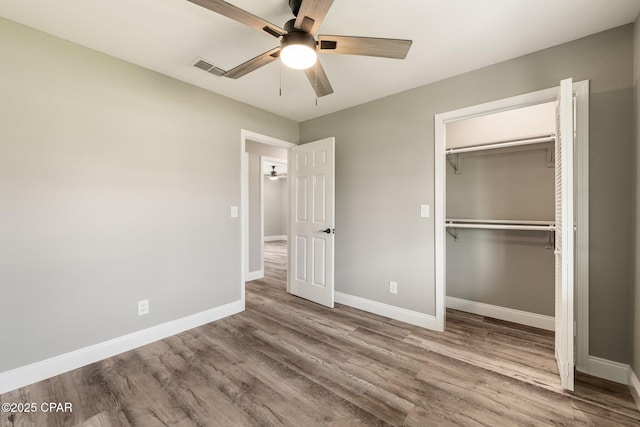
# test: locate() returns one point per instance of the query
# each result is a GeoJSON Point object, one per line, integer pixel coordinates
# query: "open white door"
{"type": "Point", "coordinates": [564, 250]}
{"type": "Point", "coordinates": [311, 222]}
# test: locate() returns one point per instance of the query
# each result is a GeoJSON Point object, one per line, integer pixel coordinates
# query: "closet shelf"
{"type": "Point", "coordinates": [455, 161]}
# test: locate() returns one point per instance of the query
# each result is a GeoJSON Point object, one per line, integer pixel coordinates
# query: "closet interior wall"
{"type": "Point", "coordinates": [506, 268]}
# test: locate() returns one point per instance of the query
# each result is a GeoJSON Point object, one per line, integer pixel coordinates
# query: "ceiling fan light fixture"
{"type": "Point", "coordinates": [298, 50]}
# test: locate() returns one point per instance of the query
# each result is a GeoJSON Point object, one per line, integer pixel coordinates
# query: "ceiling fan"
{"type": "Point", "coordinates": [273, 175]}
{"type": "Point", "coordinates": [298, 44]}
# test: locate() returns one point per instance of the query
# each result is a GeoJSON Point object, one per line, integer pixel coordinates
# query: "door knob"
{"type": "Point", "coordinates": [328, 231]}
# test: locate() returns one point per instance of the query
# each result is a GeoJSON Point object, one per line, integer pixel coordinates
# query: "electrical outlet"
{"type": "Point", "coordinates": [143, 307]}
{"type": "Point", "coordinates": [393, 287]}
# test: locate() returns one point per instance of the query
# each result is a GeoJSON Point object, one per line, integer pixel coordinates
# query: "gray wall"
{"type": "Point", "coordinates": [115, 185]}
{"type": "Point", "coordinates": [505, 268]}
{"type": "Point", "coordinates": [381, 236]}
{"type": "Point", "coordinates": [275, 206]}
{"type": "Point", "coordinates": [255, 150]}
{"type": "Point", "coordinates": [635, 299]}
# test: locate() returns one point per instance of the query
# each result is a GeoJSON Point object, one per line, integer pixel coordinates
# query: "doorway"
{"type": "Point", "coordinates": [258, 153]}
{"type": "Point", "coordinates": [580, 175]}
{"type": "Point", "coordinates": [311, 214]}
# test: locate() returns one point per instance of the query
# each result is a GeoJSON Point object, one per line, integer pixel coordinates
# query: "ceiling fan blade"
{"type": "Point", "coordinates": [253, 64]}
{"type": "Point", "coordinates": [311, 15]}
{"type": "Point", "coordinates": [242, 16]}
{"type": "Point", "coordinates": [367, 46]}
{"type": "Point", "coordinates": [319, 80]}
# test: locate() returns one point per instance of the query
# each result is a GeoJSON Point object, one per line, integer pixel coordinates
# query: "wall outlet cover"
{"type": "Point", "coordinates": [393, 288]}
{"type": "Point", "coordinates": [143, 307]}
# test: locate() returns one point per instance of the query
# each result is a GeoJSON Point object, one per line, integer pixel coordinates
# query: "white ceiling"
{"type": "Point", "coordinates": [449, 37]}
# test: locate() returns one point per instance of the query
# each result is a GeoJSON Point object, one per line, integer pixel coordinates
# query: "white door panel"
{"type": "Point", "coordinates": [312, 227]}
{"type": "Point", "coordinates": [564, 252]}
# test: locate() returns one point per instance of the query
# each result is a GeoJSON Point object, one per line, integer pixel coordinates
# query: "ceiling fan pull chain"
{"type": "Point", "coordinates": [280, 68]}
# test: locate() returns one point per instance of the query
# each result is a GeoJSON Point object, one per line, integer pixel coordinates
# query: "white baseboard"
{"type": "Point", "coordinates": [508, 314]}
{"type": "Point", "coordinates": [29, 374]}
{"type": "Point", "coordinates": [397, 313]}
{"type": "Point", "coordinates": [275, 238]}
{"type": "Point", "coordinates": [607, 369]}
{"type": "Point", "coordinates": [254, 275]}
{"type": "Point", "coordinates": [634, 385]}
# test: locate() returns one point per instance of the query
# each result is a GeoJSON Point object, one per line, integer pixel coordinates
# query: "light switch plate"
{"type": "Point", "coordinates": [234, 212]}
{"type": "Point", "coordinates": [424, 211]}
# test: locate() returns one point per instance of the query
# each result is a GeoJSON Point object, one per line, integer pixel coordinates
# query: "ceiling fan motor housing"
{"type": "Point", "coordinates": [295, 6]}
{"type": "Point", "coordinates": [298, 37]}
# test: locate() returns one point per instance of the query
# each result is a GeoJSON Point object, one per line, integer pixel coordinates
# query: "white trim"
{"type": "Point", "coordinates": [386, 310]}
{"type": "Point", "coordinates": [607, 369]}
{"type": "Point", "coordinates": [29, 374]}
{"type": "Point", "coordinates": [503, 313]}
{"type": "Point", "coordinates": [440, 217]}
{"type": "Point", "coordinates": [254, 275]}
{"type": "Point", "coordinates": [634, 385]}
{"type": "Point", "coordinates": [581, 90]}
{"type": "Point", "coordinates": [244, 197]}
{"type": "Point", "coordinates": [244, 220]}
{"type": "Point", "coordinates": [264, 139]}
{"type": "Point", "coordinates": [275, 238]}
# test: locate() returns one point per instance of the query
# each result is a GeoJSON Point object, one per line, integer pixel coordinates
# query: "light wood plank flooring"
{"type": "Point", "coordinates": [286, 361]}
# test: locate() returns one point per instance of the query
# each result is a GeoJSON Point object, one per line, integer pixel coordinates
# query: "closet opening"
{"type": "Point", "coordinates": [511, 216]}
{"type": "Point", "coordinates": [500, 215]}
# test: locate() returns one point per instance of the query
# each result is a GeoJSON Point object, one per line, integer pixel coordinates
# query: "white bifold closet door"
{"type": "Point", "coordinates": [565, 229]}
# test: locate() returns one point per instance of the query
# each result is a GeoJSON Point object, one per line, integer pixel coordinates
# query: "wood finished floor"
{"type": "Point", "coordinates": [285, 361]}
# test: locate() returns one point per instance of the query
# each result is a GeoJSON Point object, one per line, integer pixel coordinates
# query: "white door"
{"type": "Point", "coordinates": [312, 227]}
{"type": "Point", "coordinates": [564, 250]}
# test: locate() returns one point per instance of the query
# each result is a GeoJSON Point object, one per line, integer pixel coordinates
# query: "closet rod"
{"type": "Point", "coordinates": [498, 221]}
{"type": "Point", "coordinates": [503, 144]}
{"type": "Point", "coordinates": [548, 227]}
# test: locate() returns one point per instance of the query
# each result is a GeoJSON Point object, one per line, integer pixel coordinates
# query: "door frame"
{"type": "Point", "coordinates": [581, 94]}
{"type": "Point", "coordinates": [247, 135]}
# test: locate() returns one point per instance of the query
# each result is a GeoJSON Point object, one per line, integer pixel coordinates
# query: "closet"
{"type": "Point", "coordinates": [512, 215]}
{"type": "Point", "coordinates": [500, 215]}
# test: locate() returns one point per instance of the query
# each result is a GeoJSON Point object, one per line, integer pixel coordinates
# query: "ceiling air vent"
{"type": "Point", "coordinates": [208, 67]}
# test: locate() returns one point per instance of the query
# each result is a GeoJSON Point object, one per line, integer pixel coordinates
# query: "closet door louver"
{"type": "Point", "coordinates": [564, 236]}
